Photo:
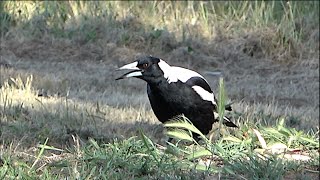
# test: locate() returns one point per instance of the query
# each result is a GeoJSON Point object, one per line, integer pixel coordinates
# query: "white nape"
{"type": "Point", "coordinates": [173, 74]}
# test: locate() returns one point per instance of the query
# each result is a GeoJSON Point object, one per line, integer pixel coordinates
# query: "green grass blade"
{"type": "Point", "coordinates": [180, 134]}
{"type": "Point", "coordinates": [40, 153]}
{"type": "Point", "coordinates": [199, 153]}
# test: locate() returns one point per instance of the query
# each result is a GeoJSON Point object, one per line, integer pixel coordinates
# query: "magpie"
{"type": "Point", "coordinates": [173, 91]}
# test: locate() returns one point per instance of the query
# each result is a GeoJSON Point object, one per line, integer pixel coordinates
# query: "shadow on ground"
{"type": "Point", "coordinates": [83, 69]}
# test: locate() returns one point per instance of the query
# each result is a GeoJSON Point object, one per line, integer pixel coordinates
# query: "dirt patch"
{"type": "Point", "coordinates": [90, 67]}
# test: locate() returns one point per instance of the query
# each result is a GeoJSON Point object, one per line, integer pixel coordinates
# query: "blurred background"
{"type": "Point", "coordinates": [58, 62]}
{"type": "Point", "coordinates": [63, 115]}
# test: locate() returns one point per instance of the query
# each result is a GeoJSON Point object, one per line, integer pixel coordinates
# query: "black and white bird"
{"type": "Point", "coordinates": [174, 91]}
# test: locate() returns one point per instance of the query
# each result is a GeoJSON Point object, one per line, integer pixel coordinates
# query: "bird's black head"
{"type": "Point", "coordinates": [146, 68]}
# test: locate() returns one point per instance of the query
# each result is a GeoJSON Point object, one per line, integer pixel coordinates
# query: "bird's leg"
{"type": "Point", "coordinates": [196, 137]}
{"type": "Point", "coordinates": [170, 139]}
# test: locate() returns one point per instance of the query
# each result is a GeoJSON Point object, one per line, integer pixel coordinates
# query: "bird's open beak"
{"type": "Point", "coordinates": [134, 71]}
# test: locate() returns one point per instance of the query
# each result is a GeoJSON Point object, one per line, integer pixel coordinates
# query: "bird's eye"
{"type": "Point", "coordinates": [144, 66]}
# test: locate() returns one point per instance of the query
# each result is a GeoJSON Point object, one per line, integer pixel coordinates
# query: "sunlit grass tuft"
{"type": "Point", "coordinates": [250, 151]}
{"type": "Point", "coordinates": [62, 138]}
{"type": "Point", "coordinates": [88, 135]}
{"type": "Point", "coordinates": [282, 27]}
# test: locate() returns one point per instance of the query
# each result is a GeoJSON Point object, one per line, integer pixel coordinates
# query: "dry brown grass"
{"type": "Point", "coordinates": [57, 71]}
{"type": "Point", "coordinates": [265, 76]}
{"type": "Point", "coordinates": [86, 74]}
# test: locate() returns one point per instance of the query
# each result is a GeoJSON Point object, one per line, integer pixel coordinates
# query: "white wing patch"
{"type": "Point", "coordinates": [205, 95]}
{"type": "Point", "coordinates": [173, 74]}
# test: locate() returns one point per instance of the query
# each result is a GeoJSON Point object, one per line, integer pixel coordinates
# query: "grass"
{"type": "Point", "coordinates": [62, 115]}
{"type": "Point", "coordinates": [285, 25]}
{"type": "Point", "coordinates": [238, 153]}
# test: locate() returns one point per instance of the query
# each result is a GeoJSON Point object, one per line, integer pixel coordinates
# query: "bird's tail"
{"type": "Point", "coordinates": [228, 107]}
{"type": "Point", "coordinates": [226, 120]}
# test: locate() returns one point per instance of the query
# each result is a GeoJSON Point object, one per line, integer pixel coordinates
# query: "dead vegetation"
{"type": "Point", "coordinates": [58, 61]}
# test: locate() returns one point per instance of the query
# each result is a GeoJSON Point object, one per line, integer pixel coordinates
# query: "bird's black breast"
{"type": "Point", "coordinates": [171, 99]}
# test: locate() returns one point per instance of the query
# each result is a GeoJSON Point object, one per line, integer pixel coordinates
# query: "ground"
{"type": "Point", "coordinates": [87, 73]}
{"type": "Point", "coordinates": [57, 80]}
